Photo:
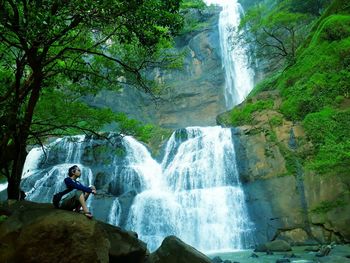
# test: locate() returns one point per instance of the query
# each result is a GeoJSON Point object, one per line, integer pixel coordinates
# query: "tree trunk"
{"type": "Point", "coordinates": [14, 181]}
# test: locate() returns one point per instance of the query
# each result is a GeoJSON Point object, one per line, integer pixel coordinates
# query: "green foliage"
{"type": "Point", "coordinates": [186, 4]}
{"type": "Point", "coordinates": [320, 75]}
{"type": "Point", "coordinates": [268, 83]}
{"type": "Point", "coordinates": [156, 137]}
{"type": "Point", "coordinates": [3, 218]}
{"type": "Point", "coordinates": [54, 54]}
{"type": "Point", "coordinates": [313, 90]}
{"type": "Point", "coordinates": [2, 179]}
{"type": "Point", "coordinates": [133, 127]}
{"type": "Point", "coordinates": [329, 132]}
{"type": "Point", "coordinates": [193, 18]}
{"type": "Point", "coordinates": [276, 121]}
{"type": "Point", "coordinates": [243, 115]}
{"type": "Point", "coordinates": [314, 7]}
{"type": "Point", "coordinates": [326, 206]}
{"type": "Point", "coordinates": [274, 31]}
{"type": "Point", "coordinates": [316, 90]}
{"type": "Point", "coordinates": [120, 152]}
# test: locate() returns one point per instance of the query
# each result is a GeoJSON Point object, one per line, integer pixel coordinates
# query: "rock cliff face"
{"type": "Point", "coordinates": [285, 200]}
{"type": "Point", "coordinates": [195, 91]}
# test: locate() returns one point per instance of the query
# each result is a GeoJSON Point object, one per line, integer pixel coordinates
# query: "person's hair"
{"type": "Point", "coordinates": [72, 170]}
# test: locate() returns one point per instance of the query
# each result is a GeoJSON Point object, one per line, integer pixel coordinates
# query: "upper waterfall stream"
{"type": "Point", "coordinates": [239, 77]}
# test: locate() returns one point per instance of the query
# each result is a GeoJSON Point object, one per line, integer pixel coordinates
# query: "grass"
{"type": "Point", "coordinates": [244, 115]}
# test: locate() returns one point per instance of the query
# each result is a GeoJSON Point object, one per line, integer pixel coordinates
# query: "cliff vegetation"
{"type": "Point", "coordinates": [314, 87]}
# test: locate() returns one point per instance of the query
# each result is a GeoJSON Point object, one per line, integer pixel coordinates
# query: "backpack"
{"type": "Point", "coordinates": [57, 198]}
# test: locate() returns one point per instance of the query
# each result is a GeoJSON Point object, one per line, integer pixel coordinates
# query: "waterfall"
{"type": "Point", "coordinates": [201, 200]}
{"type": "Point", "coordinates": [194, 193]}
{"type": "Point", "coordinates": [238, 76]}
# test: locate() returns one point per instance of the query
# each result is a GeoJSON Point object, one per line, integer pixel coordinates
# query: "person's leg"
{"type": "Point", "coordinates": [83, 203]}
{"type": "Point", "coordinates": [84, 206]}
{"type": "Point", "coordinates": [86, 196]}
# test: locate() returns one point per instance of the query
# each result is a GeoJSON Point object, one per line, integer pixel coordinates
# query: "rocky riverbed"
{"type": "Point", "coordinates": [299, 254]}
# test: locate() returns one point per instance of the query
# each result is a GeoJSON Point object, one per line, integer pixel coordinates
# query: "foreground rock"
{"type": "Point", "coordinates": [173, 250]}
{"type": "Point", "coordinates": [33, 232]}
{"type": "Point", "coordinates": [38, 233]}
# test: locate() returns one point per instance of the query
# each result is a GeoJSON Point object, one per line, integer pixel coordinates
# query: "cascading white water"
{"type": "Point", "coordinates": [239, 78]}
{"type": "Point", "coordinates": [194, 193]}
{"type": "Point", "coordinates": [202, 201]}
{"type": "Point", "coordinates": [115, 213]}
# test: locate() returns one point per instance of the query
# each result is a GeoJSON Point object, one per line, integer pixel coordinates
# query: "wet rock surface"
{"type": "Point", "coordinates": [32, 232]}
{"type": "Point", "coordinates": [173, 250]}
{"type": "Point", "coordinates": [39, 233]}
{"type": "Point", "coordinates": [286, 201]}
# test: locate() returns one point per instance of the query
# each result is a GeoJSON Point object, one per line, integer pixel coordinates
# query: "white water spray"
{"type": "Point", "coordinates": [202, 201]}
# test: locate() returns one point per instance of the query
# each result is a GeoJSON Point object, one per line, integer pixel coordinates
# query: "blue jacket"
{"type": "Point", "coordinates": [72, 184]}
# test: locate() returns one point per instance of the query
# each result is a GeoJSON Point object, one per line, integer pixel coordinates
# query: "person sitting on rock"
{"type": "Point", "coordinates": [76, 198]}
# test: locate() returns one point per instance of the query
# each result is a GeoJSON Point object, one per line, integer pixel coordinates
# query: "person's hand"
{"type": "Point", "coordinates": [93, 188]}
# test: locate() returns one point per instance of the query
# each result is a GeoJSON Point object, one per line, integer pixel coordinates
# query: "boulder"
{"type": "Point", "coordinates": [173, 250]}
{"type": "Point", "coordinates": [39, 233]}
{"type": "Point", "coordinates": [275, 246]}
{"type": "Point", "coordinates": [278, 246]}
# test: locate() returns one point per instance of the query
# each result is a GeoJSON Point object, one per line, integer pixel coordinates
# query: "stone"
{"type": "Point", "coordinates": [324, 251]}
{"type": "Point", "coordinates": [282, 260]}
{"type": "Point", "coordinates": [216, 259]}
{"type": "Point", "coordinates": [261, 248]}
{"type": "Point", "coordinates": [39, 233]}
{"type": "Point", "coordinates": [173, 250]}
{"type": "Point", "coordinates": [278, 246]}
{"type": "Point", "coordinates": [334, 259]}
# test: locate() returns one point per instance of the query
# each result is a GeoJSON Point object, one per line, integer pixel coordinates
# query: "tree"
{"type": "Point", "coordinates": [273, 34]}
{"type": "Point", "coordinates": [64, 49]}
{"type": "Point", "coordinates": [314, 7]}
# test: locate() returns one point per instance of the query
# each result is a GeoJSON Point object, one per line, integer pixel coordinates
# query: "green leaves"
{"type": "Point", "coordinates": [274, 31]}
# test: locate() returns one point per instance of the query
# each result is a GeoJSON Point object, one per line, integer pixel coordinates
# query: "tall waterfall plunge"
{"type": "Point", "coordinates": [194, 193]}
{"type": "Point", "coordinates": [239, 78]}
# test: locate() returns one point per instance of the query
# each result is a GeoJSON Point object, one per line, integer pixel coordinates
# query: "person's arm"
{"type": "Point", "coordinates": [70, 183]}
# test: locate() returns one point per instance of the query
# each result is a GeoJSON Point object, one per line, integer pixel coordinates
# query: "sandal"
{"type": "Point", "coordinates": [88, 215]}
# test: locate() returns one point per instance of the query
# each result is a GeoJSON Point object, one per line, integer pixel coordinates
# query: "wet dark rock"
{"type": "Point", "coordinates": [282, 260]}
{"type": "Point", "coordinates": [324, 251]}
{"type": "Point", "coordinates": [253, 255]}
{"type": "Point", "coordinates": [290, 255]}
{"type": "Point", "coordinates": [173, 250]}
{"type": "Point", "coordinates": [40, 233]}
{"type": "Point", "coordinates": [273, 246]}
{"type": "Point", "coordinates": [216, 259]}
{"type": "Point", "coordinates": [312, 249]}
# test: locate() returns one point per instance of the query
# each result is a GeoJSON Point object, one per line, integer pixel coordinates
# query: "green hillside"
{"type": "Point", "coordinates": [315, 91]}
